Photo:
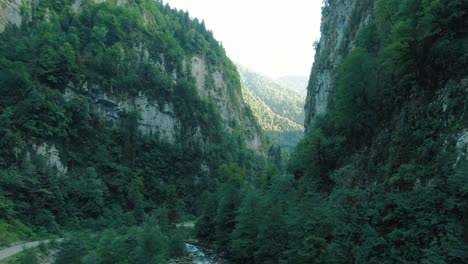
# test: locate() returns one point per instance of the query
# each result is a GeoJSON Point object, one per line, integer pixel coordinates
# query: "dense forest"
{"type": "Point", "coordinates": [278, 108]}
{"type": "Point", "coordinates": [267, 119]}
{"type": "Point", "coordinates": [281, 99]}
{"type": "Point", "coordinates": [66, 166]}
{"type": "Point", "coordinates": [382, 176]}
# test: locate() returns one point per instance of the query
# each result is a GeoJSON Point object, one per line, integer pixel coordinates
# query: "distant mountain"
{"type": "Point", "coordinates": [281, 100]}
{"type": "Point", "coordinates": [296, 83]}
{"type": "Point", "coordinates": [267, 119]}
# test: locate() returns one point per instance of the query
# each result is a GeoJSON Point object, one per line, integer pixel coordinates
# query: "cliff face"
{"type": "Point", "coordinates": [387, 122]}
{"type": "Point", "coordinates": [10, 13]}
{"type": "Point", "coordinates": [341, 21]}
{"type": "Point", "coordinates": [176, 61]}
{"type": "Point", "coordinates": [154, 119]}
{"type": "Point", "coordinates": [115, 107]}
{"type": "Point", "coordinates": [160, 119]}
{"type": "Point", "coordinates": [395, 93]}
{"type": "Point", "coordinates": [212, 85]}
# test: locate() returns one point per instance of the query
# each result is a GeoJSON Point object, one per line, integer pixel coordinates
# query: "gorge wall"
{"type": "Point", "coordinates": [156, 113]}
{"type": "Point", "coordinates": [131, 97]}
{"type": "Point", "coordinates": [341, 22]}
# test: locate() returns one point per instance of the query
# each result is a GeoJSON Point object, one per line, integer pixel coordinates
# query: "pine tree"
{"type": "Point", "coordinates": [243, 239]}
{"type": "Point", "coordinates": [226, 216]}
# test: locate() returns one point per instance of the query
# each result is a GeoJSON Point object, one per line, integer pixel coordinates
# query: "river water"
{"type": "Point", "coordinates": [198, 256]}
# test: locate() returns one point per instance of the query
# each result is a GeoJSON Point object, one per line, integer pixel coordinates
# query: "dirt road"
{"type": "Point", "coordinates": [8, 252]}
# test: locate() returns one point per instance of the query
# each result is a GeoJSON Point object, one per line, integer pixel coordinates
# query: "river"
{"type": "Point", "coordinates": [198, 256]}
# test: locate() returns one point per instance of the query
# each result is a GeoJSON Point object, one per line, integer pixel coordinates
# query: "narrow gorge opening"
{"type": "Point", "coordinates": [143, 131]}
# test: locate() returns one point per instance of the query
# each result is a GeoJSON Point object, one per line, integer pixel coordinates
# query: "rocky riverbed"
{"type": "Point", "coordinates": [197, 254]}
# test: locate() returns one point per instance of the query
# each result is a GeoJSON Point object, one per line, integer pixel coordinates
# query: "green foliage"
{"type": "Point", "coordinates": [267, 119]}
{"type": "Point", "coordinates": [53, 69]}
{"type": "Point", "coordinates": [315, 157]}
{"type": "Point", "coordinates": [172, 205]}
{"type": "Point", "coordinates": [372, 225]}
{"type": "Point", "coordinates": [272, 102]}
{"type": "Point", "coordinates": [381, 177]}
{"type": "Point", "coordinates": [206, 224]}
{"type": "Point", "coordinates": [272, 236]}
{"type": "Point", "coordinates": [29, 258]}
{"type": "Point", "coordinates": [355, 95]}
{"type": "Point", "coordinates": [71, 251]}
{"type": "Point", "coordinates": [13, 231]}
{"type": "Point", "coordinates": [307, 230]}
{"type": "Point", "coordinates": [225, 216]}
{"type": "Point", "coordinates": [243, 244]}
{"type": "Point", "coordinates": [135, 195]}
{"type": "Point", "coordinates": [374, 180]}
{"type": "Point", "coordinates": [286, 141]}
{"type": "Point", "coordinates": [150, 243]}
{"type": "Point", "coordinates": [232, 174]}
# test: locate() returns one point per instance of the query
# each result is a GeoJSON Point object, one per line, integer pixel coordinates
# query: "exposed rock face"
{"type": "Point", "coordinates": [462, 141]}
{"type": "Point", "coordinates": [199, 73]}
{"type": "Point", "coordinates": [161, 120]}
{"type": "Point", "coordinates": [10, 13]}
{"type": "Point", "coordinates": [155, 117]}
{"type": "Point", "coordinates": [212, 85]}
{"type": "Point", "coordinates": [10, 10]}
{"type": "Point", "coordinates": [51, 155]}
{"type": "Point", "coordinates": [48, 152]}
{"type": "Point", "coordinates": [462, 145]}
{"type": "Point", "coordinates": [339, 29]}
{"type": "Point", "coordinates": [76, 6]}
{"type": "Point", "coordinates": [342, 21]}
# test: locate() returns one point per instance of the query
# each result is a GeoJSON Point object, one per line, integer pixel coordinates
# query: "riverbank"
{"type": "Point", "coordinates": [198, 254]}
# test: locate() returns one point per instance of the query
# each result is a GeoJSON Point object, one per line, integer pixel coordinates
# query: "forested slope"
{"type": "Point", "coordinates": [281, 100]}
{"type": "Point", "coordinates": [110, 110]}
{"type": "Point", "coordinates": [382, 174]}
{"type": "Point", "coordinates": [295, 83]}
{"type": "Point", "coordinates": [267, 119]}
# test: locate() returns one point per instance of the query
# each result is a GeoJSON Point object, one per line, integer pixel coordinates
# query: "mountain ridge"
{"type": "Point", "coordinates": [267, 119]}
{"type": "Point", "coordinates": [296, 83]}
{"type": "Point", "coordinates": [281, 100]}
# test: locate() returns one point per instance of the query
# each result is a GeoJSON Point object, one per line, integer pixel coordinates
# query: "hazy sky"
{"type": "Point", "coordinates": [273, 37]}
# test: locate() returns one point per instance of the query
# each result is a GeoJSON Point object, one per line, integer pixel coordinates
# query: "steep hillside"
{"type": "Point", "coordinates": [338, 36]}
{"type": "Point", "coordinates": [295, 83]}
{"type": "Point", "coordinates": [281, 100]}
{"type": "Point", "coordinates": [111, 109]}
{"type": "Point", "coordinates": [267, 119]}
{"type": "Point", "coordinates": [382, 173]}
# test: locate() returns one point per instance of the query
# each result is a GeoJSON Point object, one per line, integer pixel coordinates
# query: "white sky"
{"type": "Point", "coordinates": [274, 37]}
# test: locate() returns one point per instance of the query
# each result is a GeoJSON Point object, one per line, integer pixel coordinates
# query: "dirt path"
{"type": "Point", "coordinates": [8, 252]}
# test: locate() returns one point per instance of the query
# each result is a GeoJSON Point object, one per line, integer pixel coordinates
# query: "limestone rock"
{"type": "Point", "coordinates": [338, 33]}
